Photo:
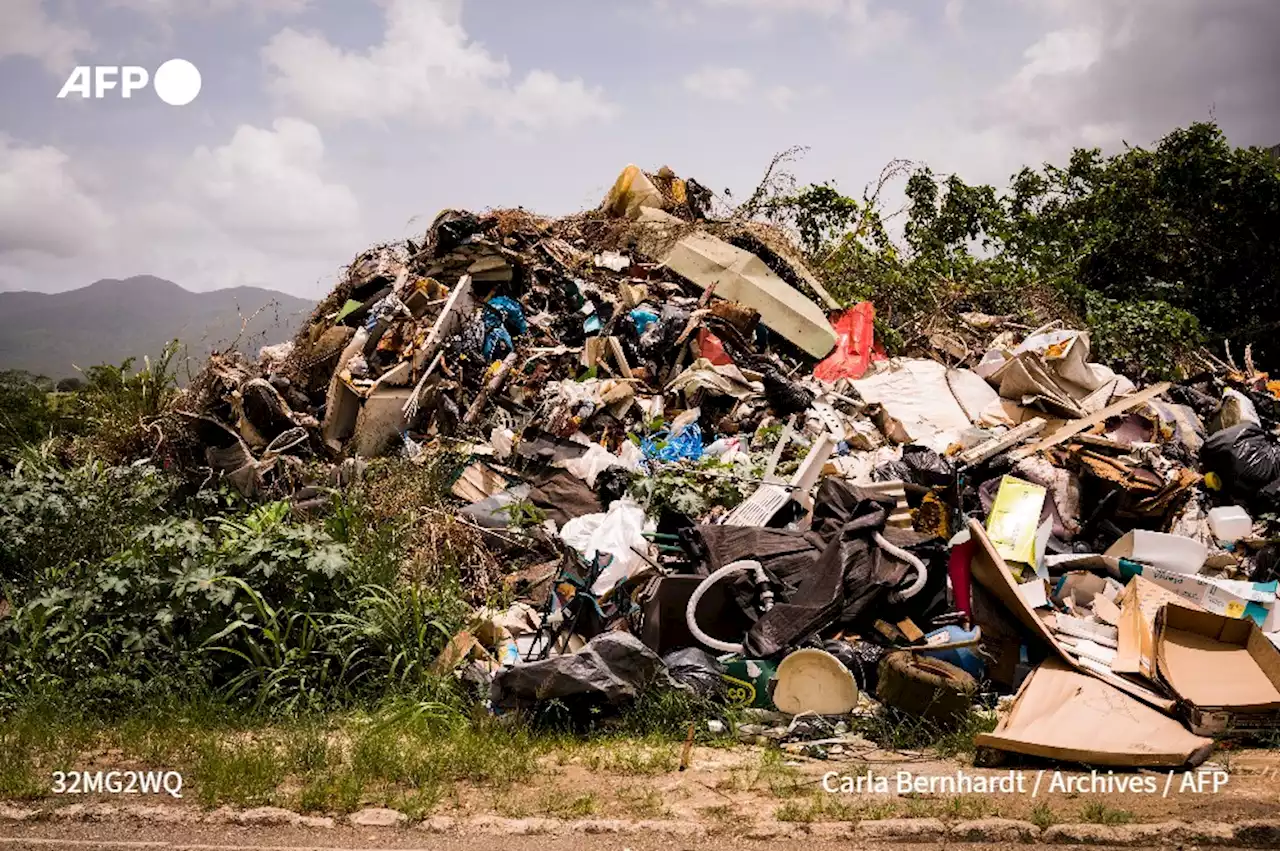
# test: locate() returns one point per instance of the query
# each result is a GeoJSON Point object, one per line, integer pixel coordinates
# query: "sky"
{"type": "Point", "coordinates": [325, 126]}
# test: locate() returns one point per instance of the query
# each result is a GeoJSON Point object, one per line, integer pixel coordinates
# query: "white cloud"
{"type": "Point", "coordinates": [726, 84]}
{"type": "Point", "coordinates": [865, 26]}
{"type": "Point", "coordinates": [27, 30]}
{"type": "Point", "coordinates": [737, 85]}
{"type": "Point", "coordinates": [259, 210]}
{"type": "Point", "coordinates": [1100, 73]}
{"type": "Point", "coordinates": [1058, 53]}
{"type": "Point", "coordinates": [267, 188]}
{"type": "Point", "coordinates": [426, 69]}
{"type": "Point", "coordinates": [43, 210]}
{"type": "Point", "coordinates": [174, 8]}
{"type": "Point", "coordinates": [779, 96]}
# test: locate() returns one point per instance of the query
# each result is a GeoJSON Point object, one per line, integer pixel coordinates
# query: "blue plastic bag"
{"type": "Point", "coordinates": [684, 446]}
{"type": "Point", "coordinates": [643, 317]}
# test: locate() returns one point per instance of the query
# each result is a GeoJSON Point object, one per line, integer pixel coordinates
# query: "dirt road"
{"type": "Point", "coordinates": [46, 837]}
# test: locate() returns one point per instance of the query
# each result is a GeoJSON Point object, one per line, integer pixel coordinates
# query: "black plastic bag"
{"type": "Point", "coordinates": [1266, 564]}
{"type": "Point", "coordinates": [612, 484]}
{"type": "Point", "coordinates": [861, 658]}
{"type": "Point", "coordinates": [786, 397]}
{"type": "Point", "coordinates": [919, 466]}
{"type": "Point", "coordinates": [449, 229]}
{"type": "Point", "coordinates": [697, 671]}
{"type": "Point", "coordinates": [612, 669]}
{"type": "Point", "coordinates": [1247, 459]}
{"type": "Point", "coordinates": [927, 467]}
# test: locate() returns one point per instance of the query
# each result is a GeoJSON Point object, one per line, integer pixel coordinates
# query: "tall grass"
{"type": "Point", "coordinates": [120, 594]}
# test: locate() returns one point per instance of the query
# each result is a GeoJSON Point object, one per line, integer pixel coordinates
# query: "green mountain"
{"type": "Point", "coordinates": [110, 320]}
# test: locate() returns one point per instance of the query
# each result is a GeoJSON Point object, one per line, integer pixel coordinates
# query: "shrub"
{"type": "Point", "coordinates": [1141, 339]}
{"type": "Point", "coordinates": [26, 417]}
{"type": "Point", "coordinates": [119, 604]}
{"type": "Point", "coordinates": [53, 521]}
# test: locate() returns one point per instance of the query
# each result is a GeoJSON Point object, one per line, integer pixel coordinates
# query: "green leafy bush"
{"type": "Point", "coordinates": [54, 521]}
{"type": "Point", "coordinates": [252, 606]}
{"type": "Point", "coordinates": [1164, 248]}
{"type": "Point", "coordinates": [26, 416]}
{"type": "Point", "coordinates": [1141, 339]}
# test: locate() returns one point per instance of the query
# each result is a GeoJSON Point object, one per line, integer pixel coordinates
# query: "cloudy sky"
{"type": "Point", "coordinates": [326, 125]}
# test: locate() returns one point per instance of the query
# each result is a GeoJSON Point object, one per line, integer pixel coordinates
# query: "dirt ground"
{"type": "Point", "coordinates": [111, 838]}
{"type": "Point", "coordinates": [730, 786]}
{"type": "Point", "coordinates": [725, 788]}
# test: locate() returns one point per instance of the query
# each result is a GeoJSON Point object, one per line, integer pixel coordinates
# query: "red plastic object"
{"type": "Point", "coordinates": [855, 345]}
{"type": "Point", "coordinates": [710, 347]}
{"type": "Point", "coordinates": [958, 572]}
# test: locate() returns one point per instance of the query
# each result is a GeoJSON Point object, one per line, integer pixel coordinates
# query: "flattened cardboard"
{"type": "Point", "coordinates": [1225, 672]}
{"type": "Point", "coordinates": [739, 275]}
{"type": "Point", "coordinates": [1062, 714]}
{"type": "Point", "coordinates": [990, 571]}
{"type": "Point", "coordinates": [1139, 605]}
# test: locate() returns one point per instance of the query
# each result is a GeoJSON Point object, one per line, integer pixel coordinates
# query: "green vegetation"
{"type": "Point", "coordinates": [1095, 812]}
{"type": "Point", "coordinates": [1154, 251]}
{"type": "Point", "coordinates": [895, 731]}
{"type": "Point", "coordinates": [1042, 816]}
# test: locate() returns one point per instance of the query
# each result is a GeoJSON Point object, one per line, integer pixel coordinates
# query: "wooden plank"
{"type": "Point", "coordinates": [910, 630]}
{"type": "Point", "coordinates": [1115, 409]}
{"type": "Point", "coordinates": [619, 357]}
{"type": "Point", "coordinates": [994, 447]}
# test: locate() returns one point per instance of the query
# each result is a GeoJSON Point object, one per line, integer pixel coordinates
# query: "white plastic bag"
{"type": "Point", "coordinates": [614, 532]}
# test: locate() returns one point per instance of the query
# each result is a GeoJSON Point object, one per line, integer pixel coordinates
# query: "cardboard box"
{"type": "Point", "coordinates": [1139, 605]}
{"type": "Point", "coordinates": [1224, 672]}
{"type": "Point", "coordinates": [1233, 598]}
{"type": "Point", "coordinates": [992, 573]}
{"type": "Point", "coordinates": [1063, 714]}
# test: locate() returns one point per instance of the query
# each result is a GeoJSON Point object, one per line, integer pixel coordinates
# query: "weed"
{"type": "Point", "coordinates": [642, 803]}
{"type": "Point", "coordinates": [1042, 816]}
{"type": "Point", "coordinates": [769, 772]}
{"type": "Point", "coordinates": [821, 806]}
{"type": "Point", "coordinates": [243, 773]}
{"type": "Point", "coordinates": [966, 807]}
{"type": "Point", "coordinates": [309, 750]}
{"type": "Point", "coordinates": [1095, 812]}
{"type": "Point", "coordinates": [894, 731]}
{"type": "Point", "coordinates": [555, 804]}
{"type": "Point", "coordinates": [18, 778]}
{"type": "Point", "coordinates": [633, 759]}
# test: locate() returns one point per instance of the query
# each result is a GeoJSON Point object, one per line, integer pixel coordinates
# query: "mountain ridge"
{"type": "Point", "coordinates": [113, 319]}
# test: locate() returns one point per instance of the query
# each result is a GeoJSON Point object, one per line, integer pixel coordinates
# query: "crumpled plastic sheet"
{"type": "Point", "coordinates": [503, 318]}
{"type": "Point", "coordinates": [643, 317]}
{"type": "Point", "coordinates": [613, 668]}
{"type": "Point", "coordinates": [1247, 459]}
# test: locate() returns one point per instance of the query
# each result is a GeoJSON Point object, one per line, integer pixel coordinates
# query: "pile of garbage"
{"type": "Point", "coordinates": [703, 471]}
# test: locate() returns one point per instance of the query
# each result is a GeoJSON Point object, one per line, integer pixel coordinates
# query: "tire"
{"type": "Point", "coordinates": [925, 688]}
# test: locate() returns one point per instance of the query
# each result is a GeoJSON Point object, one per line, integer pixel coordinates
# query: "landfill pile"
{"type": "Point", "coordinates": [703, 471]}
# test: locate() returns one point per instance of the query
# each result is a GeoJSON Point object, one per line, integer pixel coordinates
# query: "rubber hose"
{"type": "Point", "coordinates": [921, 571]}
{"type": "Point", "coordinates": [691, 610]}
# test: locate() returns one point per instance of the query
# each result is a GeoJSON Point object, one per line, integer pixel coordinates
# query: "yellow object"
{"type": "Point", "coordinates": [1014, 519]}
{"type": "Point", "coordinates": [1213, 481]}
{"type": "Point", "coordinates": [632, 192]}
